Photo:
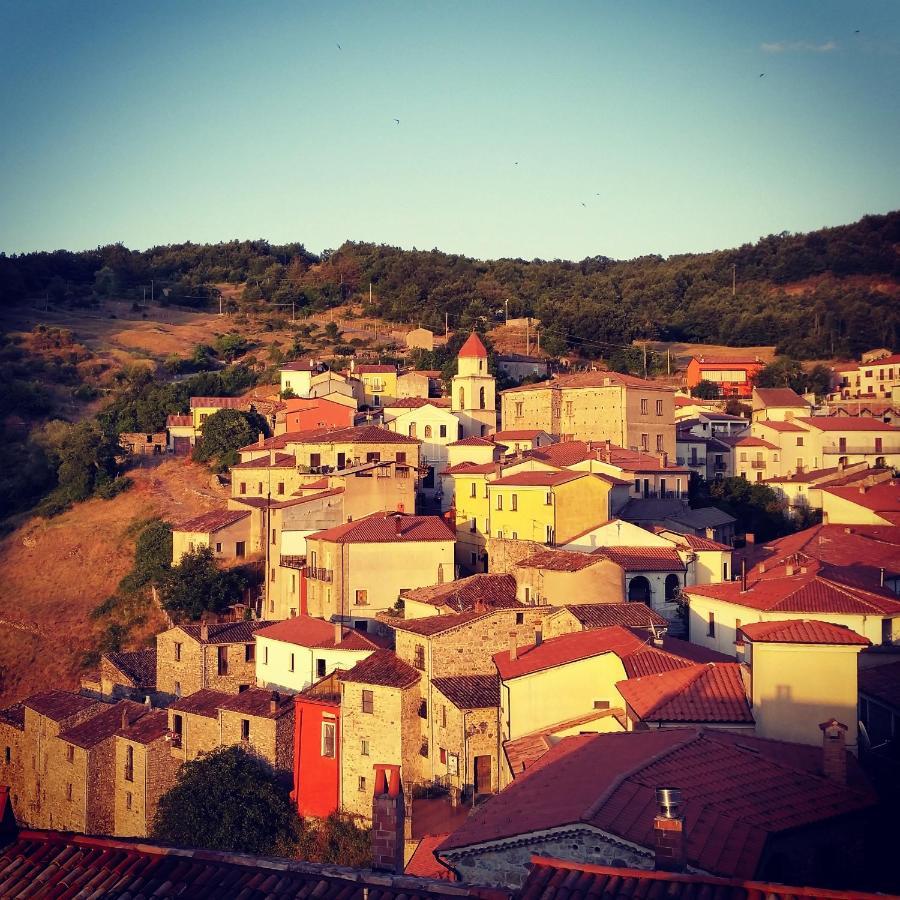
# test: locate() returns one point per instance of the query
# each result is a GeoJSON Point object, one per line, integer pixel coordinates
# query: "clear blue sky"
{"type": "Point", "coordinates": [156, 122]}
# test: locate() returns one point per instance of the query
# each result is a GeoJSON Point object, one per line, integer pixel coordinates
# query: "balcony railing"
{"type": "Point", "coordinates": [689, 461]}
{"type": "Point", "coordinates": [838, 450]}
{"type": "Point", "coordinates": [720, 466]}
{"type": "Point", "coordinates": [293, 562]}
{"type": "Point", "coordinates": [758, 463]}
{"type": "Point", "coordinates": [317, 574]}
{"type": "Point", "coordinates": [660, 495]}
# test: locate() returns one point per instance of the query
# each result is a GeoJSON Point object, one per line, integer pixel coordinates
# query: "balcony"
{"type": "Point", "coordinates": [293, 562]}
{"type": "Point", "coordinates": [720, 466]}
{"type": "Point", "coordinates": [317, 574]}
{"type": "Point", "coordinates": [758, 464]}
{"type": "Point", "coordinates": [860, 449]}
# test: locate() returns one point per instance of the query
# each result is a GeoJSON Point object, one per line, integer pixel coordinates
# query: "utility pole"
{"type": "Point", "coordinates": [668, 360]}
{"type": "Point", "coordinates": [370, 293]}
{"type": "Point", "coordinates": [151, 290]}
{"type": "Point", "coordinates": [446, 327]}
{"type": "Point", "coordinates": [527, 339]}
{"type": "Point", "coordinates": [538, 330]}
{"type": "Point", "coordinates": [506, 310]}
{"type": "Point", "coordinates": [645, 360]}
{"type": "Point", "coordinates": [220, 304]}
{"type": "Point", "coordinates": [293, 307]}
{"type": "Point", "coordinates": [733, 279]}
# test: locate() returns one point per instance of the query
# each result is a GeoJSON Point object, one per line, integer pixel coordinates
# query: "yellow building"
{"type": "Point", "coordinates": [802, 672]}
{"type": "Point", "coordinates": [474, 390]}
{"type": "Point", "coordinates": [224, 531]}
{"type": "Point", "coordinates": [379, 383]}
{"type": "Point", "coordinates": [203, 407]}
{"type": "Point", "coordinates": [547, 507]}
{"type": "Point", "coordinates": [754, 458]}
{"type": "Point", "coordinates": [473, 518]}
{"type": "Point", "coordinates": [877, 504]}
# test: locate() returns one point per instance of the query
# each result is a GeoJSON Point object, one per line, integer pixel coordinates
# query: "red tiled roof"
{"type": "Point", "coordinates": [355, 434]}
{"type": "Point", "coordinates": [103, 725]}
{"type": "Point", "coordinates": [306, 631]}
{"type": "Point", "coordinates": [470, 468]}
{"type": "Point", "coordinates": [751, 442]}
{"type": "Point", "coordinates": [738, 791]}
{"type": "Point", "coordinates": [423, 863]}
{"type": "Point", "coordinates": [645, 559]}
{"type": "Point", "coordinates": [375, 369]}
{"type": "Point", "coordinates": [472, 441]}
{"type": "Point", "coordinates": [50, 863]}
{"type": "Point", "coordinates": [138, 666]}
{"type": "Point", "coordinates": [703, 693]}
{"type": "Point", "coordinates": [179, 421]}
{"type": "Point", "coordinates": [282, 461]}
{"type": "Point", "coordinates": [470, 691]}
{"type": "Point", "coordinates": [802, 631]}
{"type": "Point", "coordinates": [585, 380]}
{"type": "Point", "coordinates": [816, 591]}
{"type": "Point", "coordinates": [14, 715]}
{"type": "Point", "coordinates": [845, 423]}
{"type": "Point", "coordinates": [227, 632]}
{"type": "Point", "coordinates": [485, 590]}
{"type": "Point", "coordinates": [559, 560]}
{"type": "Point", "coordinates": [735, 362]}
{"type": "Point", "coordinates": [205, 703]}
{"type": "Point", "coordinates": [417, 402]}
{"type": "Point", "coordinates": [638, 655]}
{"type": "Point", "coordinates": [431, 625]}
{"type": "Point", "coordinates": [301, 365]}
{"type": "Point", "coordinates": [880, 498]}
{"type": "Point", "coordinates": [220, 403]}
{"type": "Point", "coordinates": [213, 520]}
{"type": "Point", "coordinates": [258, 702]}
{"type": "Point", "coordinates": [781, 397]}
{"type": "Point", "coordinates": [537, 479]}
{"type": "Point", "coordinates": [519, 434]}
{"type": "Point", "coordinates": [882, 683]}
{"type": "Point", "coordinates": [387, 527]}
{"type": "Point", "coordinates": [781, 426]}
{"type": "Point", "coordinates": [630, 615]}
{"type": "Point", "coordinates": [564, 453]}
{"type": "Point", "coordinates": [473, 347]}
{"type": "Point", "coordinates": [695, 542]}
{"type": "Point", "coordinates": [58, 705]}
{"type": "Point", "coordinates": [383, 668]}
{"type": "Point", "coordinates": [554, 879]}
{"type": "Point", "coordinates": [149, 727]}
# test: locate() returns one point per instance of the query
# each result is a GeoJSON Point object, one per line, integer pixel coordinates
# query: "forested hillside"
{"type": "Point", "coordinates": [829, 293]}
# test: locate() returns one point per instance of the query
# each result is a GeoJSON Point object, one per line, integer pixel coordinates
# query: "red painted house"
{"type": "Point", "coordinates": [733, 377]}
{"type": "Point", "coordinates": [302, 414]}
{"type": "Point", "coordinates": [317, 748]}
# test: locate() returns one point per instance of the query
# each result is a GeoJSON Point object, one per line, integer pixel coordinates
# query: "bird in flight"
{"type": "Point", "coordinates": [396, 121]}
{"type": "Point", "coordinates": [584, 204]}
{"type": "Point", "coordinates": [339, 47]}
{"type": "Point", "coordinates": [762, 75]}
{"type": "Point", "coordinates": [515, 164]}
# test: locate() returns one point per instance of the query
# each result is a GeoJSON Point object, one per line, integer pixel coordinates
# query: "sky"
{"type": "Point", "coordinates": [526, 129]}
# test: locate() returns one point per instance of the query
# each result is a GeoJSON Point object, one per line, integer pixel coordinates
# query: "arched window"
{"type": "Point", "coordinates": [639, 589]}
{"type": "Point", "coordinates": [673, 585]}
{"type": "Point", "coordinates": [481, 398]}
{"type": "Point", "coordinates": [412, 429]}
{"type": "Point", "coordinates": [462, 398]}
{"type": "Point", "coordinates": [428, 431]}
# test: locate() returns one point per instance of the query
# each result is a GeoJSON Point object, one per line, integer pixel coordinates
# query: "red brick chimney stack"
{"type": "Point", "coordinates": [338, 632]}
{"type": "Point", "coordinates": [669, 836]}
{"type": "Point", "coordinates": [834, 750]}
{"type": "Point", "coordinates": [274, 701]}
{"type": "Point", "coordinates": [513, 647]}
{"type": "Point", "coordinates": [388, 815]}
{"type": "Point", "coordinates": [260, 438]}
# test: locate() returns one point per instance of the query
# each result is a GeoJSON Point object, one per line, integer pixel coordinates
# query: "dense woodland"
{"type": "Point", "coordinates": [590, 306]}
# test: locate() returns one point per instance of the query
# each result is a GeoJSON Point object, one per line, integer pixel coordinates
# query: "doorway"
{"type": "Point", "coordinates": [482, 775]}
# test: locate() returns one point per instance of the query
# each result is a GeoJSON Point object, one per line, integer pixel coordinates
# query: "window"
{"type": "Point", "coordinates": [362, 784]}
{"type": "Point", "coordinates": [568, 407]}
{"type": "Point", "coordinates": [177, 688]}
{"type": "Point", "coordinates": [412, 429]}
{"type": "Point", "coordinates": [315, 460]}
{"type": "Point", "coordinates": [177, 651]}
{"type": "Point", "coordinates": [373, 457]}
{"type": "Point", "coordinates": [320, 668]}
{"type": "Point", "coordinates": [499, 501]}
{"type": "Point", "coordinates": [515, 535]}
{"type": "Point", "coordinates": [291, 669]}
{"type": "Point", "coordinates": [128, 800]}
{"type": "Point", "coordinates": [70, 753]}
{"type": "Point", "coordinates": [363, 748]}
{"type": "Point", "coordinates": [239, 549]}
{"type": "Point", "coordinates": [549, 534]}
{"type": "Point", "coordinates": [442, 431]}
{"type": "Point", "coordinates": [442, 755]}
{"type": "Point", "coordinates": [711, 630]}
{"type": "Point", "coordinates": [280, 488]}
{"type": "Point", "coordinates": [328, 740]}
{"type": "Point", "coordinates": [265, 655]}
{"type": "Point", "coordinates": [177, 724]}
{"type": "Point", "coordinates": [428, 431]}
{"type": "Point", "coordinates": [743, 456]}
{"type": "Point", "coordinates": [645, 442]}
{"type": "Point", "coordinates": [481, 399]}
{"type": "Point", "coordinates": [272, 578]}
{"type": "Point", "coordinates": [218, 547]}
{"type": "Point", "coordinates": [724, 571]}
{"type": "Point", "coordinates": [420, 657]}
{"type": "Point", "coordinates": [472, 489]}
{"type": "Point", "coordinates": [799, 441]}
{"type": "Point", "coordinates": [462, 398]}
{"type": "Point", "coordinates": [659, 443]}
{"type": "Point", "coordinates": [601, 704]}
{"type": "Point", "coordinates": [473, 528]}
{"type": "Point", "coordinates": [7, 755]}
{"type": "Point", "coordinates": [129, 763]}
{"type": "Point", "coordinates": [515, 502]}
{"type": "Point", "coordinates": [362, 598]}
{"type": "Point", "coordinates": [249, 653]}
{"type": "Point", "coordinates": [259, 488]}
{"type": "Point", "coordinates": [645, 404]}
{"type": "Point", "coordinates": [519, 410]}
{"type": "Point", "coordinates": [245, 729]}
{"type": "Point", "coordinates": [443, 715]}
{"type": "Point", "coordinates": [520, 618]}
{"type": "Point", "coordinates": [368, 701]}
{"type": "Point", "coordinates": [243, 487]}
{"type": "Point", "coordinates": [69, 791]}
{"type": "Point", "coordinates": [528, 595]}
{"type": "Point", "coordinates": [659, 411]}
{"type": "Point", "coordinates": [548, 500]}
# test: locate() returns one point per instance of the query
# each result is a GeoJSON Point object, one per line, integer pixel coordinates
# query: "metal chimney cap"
{"type": "Point", "coordinates": [669, 801]}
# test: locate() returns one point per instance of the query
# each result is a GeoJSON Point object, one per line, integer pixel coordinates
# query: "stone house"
{"type": "Point", "coordinates": [194, 724]}
{"type": "Point", "coordinates": [143, 444]}
{"type": "Point", "coordinates": [262, 721]}
{"type": "Point", "coordinates": [220, 657]}
{"type": "Point", "coordinates": [144, 770]}
{"type": "Point", "coordinates": [420, 339]}
{"type": "Point", "coordinates": [129, 675]}
{"type": "Point", "coordinates": [581, 616]}
{"type": "Point", "coordinates": [554, 577]}
{"type": "Point", "coordinates": [226, 532]}
{"type": "Point", "coordinates": [13, 750]}
{"type": "Point", "coordinates": [383, 716]}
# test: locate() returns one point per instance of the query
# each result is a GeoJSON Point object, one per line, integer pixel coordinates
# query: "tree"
{"type": "Point", "coordinates": [336, 840]}
{"type": "Point", "coordinates": [332, 332]}
{"type": "Point", "coordinates": [734, 407]}
{"type": "Point", "coordinates": [756, 507]}
{"type": "Point", "coordinates": [229, 800]}
{"type": "Point", "coordinates": [152, 557]}
{"type": "Point", "coordinates": [705, 390]}
{"type": "Point", "coordinates": [197, 585]}
{"type": "Point", "coordinates": [782, 372]}
{"type": "Point", "coordinates": [223, 433]}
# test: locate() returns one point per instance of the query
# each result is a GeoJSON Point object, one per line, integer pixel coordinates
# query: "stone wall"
{"type": "Point", "coordinates": [12, 773]}
{"type": "Point", "coordinates": [198, 665]}
{"type": "Point", "coordinates": [505, 554]}
{"type": "Point", "coordinates": [199, 734]}
{"type": "Point", "coordinates": [101, 792]}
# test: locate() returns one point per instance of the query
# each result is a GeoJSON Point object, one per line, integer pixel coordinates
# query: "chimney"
{"type": "Point", "coordinates": [204, 632]}
{"type": "Point", "coordinates": [788, 570]}
{"type": "Point", "coordinates": [338, 632]}
{"type": "Point", "coordinates": [513, 647]}
{"type": "Point", "coordinates": [538, 637]}
{"type": "Point", "coordinates": [750, 538]}
{"type": "Point", "coordinates": [124, 717]}
{"type": "Point", "coordinates": [743, 575]}
{"type": "Point", "coordinates": [274, 701]}
{"type": "Point", "coordinates": [762, 567]}
{"type": "Point", "coordinates": [260, 439]}
{"type": "Point", "coordinates": [669, 839]}
{"type": "Point", "coordinates": [862, 488]}
{"type": "Point", "coordinates": [388, 816]}
{"type": "Point", "coordinates": [834, 750]}
{"type": "Point", "coordinates": [272, 456]}
{"type": "Point", "coordinates": [881, 576]}
{"type": "Point", "coordinates": [398, 521]}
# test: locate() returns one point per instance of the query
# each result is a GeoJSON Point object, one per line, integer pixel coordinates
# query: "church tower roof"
{"type": "Point", "coordinates": [473, 347]}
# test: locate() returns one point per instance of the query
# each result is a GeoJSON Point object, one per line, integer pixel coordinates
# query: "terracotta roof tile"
{"type": "Point", "coordinates": [802, 631]}
{"type": "Point", "coordinates": [473, 347]}
{"type": "Point", "coordinates": [472, 442]}
{"type": "Point", "coordinates": [646, 559]}
{"type": "Point", "coordinates": [179, 421]}
{"type": "Point", "coordinates": [737, 791]}
{"type": "Point", "coordinates": [713, 692]}
{"type": "Point", "coordinates": [470, 691]}
{"type": "Point", "coordinates": [780, 397]}
{"type": "Point", "coordinates": [307, 631]}
{"type": "Point", "coordinates": [151, 726]}
{"type": "Point", "coordinates": [552, 879]}
{"type": "Point", "coordinates": [58, 705]}
{"type": "Point", "coordinates": [423, 862]}
{"type": "Point", "coordinates": [630, 615]}
{"type": "Point", "coordinates": [584, 380]}
{"type": "Point", "coordinates": [518, 434]}
{"type": "Point", "coordinates": [751, 441]}
{"type": "Point", "coordinates": [383, 668]}
{"type": "Point", "coordinates": [227, 632]}
{"type": "Point", "coordinates": [538, 479]}
{"type": "Point", "coordinates": [781, 426]}
{"type": "Point", "coordinates": [103, 725]}
{"type": "Point", "coordinates": [559, 560]}
{"type": "Point", "coordinates": [139, 666]}
{"type": "Point", "coordinates": [301, 365]}
{"type": "Point", "coordinates": [213, 520]}
{"type": "Point", "coordinates": [220, 403]}
{"type": "Point", "coordinates": [695, 542]}
{"type": "Point", "coordinates": [470, 468]}
{"type": "Point", "coordinates": [375, 369]}
{"type": "Point", "coordinates": [485, 590]}
{"type": "Point", "coordinates": [282, 461]}
{"type": "Point", "coordinates": [201, 703]}
{"type": "Point", "coordinates": [417, 402]}
{"type": "Point", "coordinates": [845, 423]}
{"type": "Point", "coordinates": [14, 715]}
{"type": "Point", "coordinates": [387, 527]}
{"type": "Point", "coordinates": [258, 702]}
{"type": "Point", "coordinates": [431, 625]}
{"type": "Point", "coordinates": [880, 498]}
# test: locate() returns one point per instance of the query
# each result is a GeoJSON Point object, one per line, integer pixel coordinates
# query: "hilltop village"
{"type": "Point", "coordinates": [497, 629]}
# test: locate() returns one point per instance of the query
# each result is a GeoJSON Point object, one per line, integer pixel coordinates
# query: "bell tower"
{"type": "Point", "coordinates": [474, 391]}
